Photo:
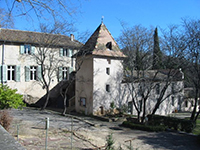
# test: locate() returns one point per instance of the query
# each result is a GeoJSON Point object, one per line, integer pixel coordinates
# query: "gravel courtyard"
{"type": "Point", "coordinates": [88, 133]}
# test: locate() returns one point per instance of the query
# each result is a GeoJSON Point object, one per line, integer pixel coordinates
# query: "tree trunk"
{"type": "Point", "coordinates": [65, 105]}
{"type": "Point", "coordinates": [144, 111]}
{"type": "Point", "coordinates": [195, 105]}
{"type": "Point", "coordinates": [155, 109]}
{"type": "Point", "coordinates": [47, 100]}
{"type": "Point", "coordinates": [138, 116]}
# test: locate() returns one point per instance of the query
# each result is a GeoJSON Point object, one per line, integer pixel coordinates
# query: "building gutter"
{"type": "Point", "coordinates": [2, 62]}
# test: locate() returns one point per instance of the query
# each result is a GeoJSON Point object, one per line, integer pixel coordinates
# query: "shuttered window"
{"type": "Point", "coordinates": [27, 49]}
{"type": "Point", "coordinates": [9, 73]}
{"type": "Point", "coordinates": [32, 73]}
{"type": "Point", "coordinates": [64, 72]}
{"type": "Point", "coordinates": [65, 52]}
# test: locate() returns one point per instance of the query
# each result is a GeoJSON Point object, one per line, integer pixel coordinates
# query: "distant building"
{"type": "Point", "coordinates": [189, 100]}
{"type": "Point", "coordinates": [166, 84]}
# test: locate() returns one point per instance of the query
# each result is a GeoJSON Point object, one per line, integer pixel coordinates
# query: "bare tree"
{"type": "Point", "coordinates": [6, 21]}
{"type": "Point", "coordinates": [173, 47]}
{"type": "Point", "coordinates": [192, 39]}
{"type": "Point", "coordinates": [47, 57]}
{"type": "Point", "coordinates": [137, 43]}
{"type": "Point", "coordinates": [43, 9]}
{"type": "Point", "coordinates": [144, 82]}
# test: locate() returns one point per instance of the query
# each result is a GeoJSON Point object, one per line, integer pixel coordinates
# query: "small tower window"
{"type": "Point", "coordinates": [107, 87]}
{"type": "Point", "coordinates": [108, 71]}
{"type": "Point", "coordinates": [109, 45]}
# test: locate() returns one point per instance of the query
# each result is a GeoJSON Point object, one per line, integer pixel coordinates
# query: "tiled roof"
{"type": "Point", "coordinates": [101, 43]}
{"type": "Point", "coordinates": [27, 37]}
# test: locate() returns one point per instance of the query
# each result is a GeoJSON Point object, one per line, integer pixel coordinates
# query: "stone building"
{"type": "Point", "coordinates": [96, 69]}
{"type": "Point", "coordinates": [20, 68]}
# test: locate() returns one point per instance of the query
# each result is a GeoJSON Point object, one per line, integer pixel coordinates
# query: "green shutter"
{"type": "Point", "coordinates": [60, 78]}
{"type": "Point", "coordinates": [27, 73]}
{"type": "Point", "coordinates": [32, 49]}
{"type": "Point", "coordinates": [22, 49]}
{"type": "Point", "coordinates": [39, 73]}
{"type": "Point", "coordinates": [69, 52]}
{"type": "Point", "coordinates": [17, 73]}
{"type": "Point", "coordinates": [61, 52]}
{"type": "Point", "coordinates": [71, 69]}
{"type": "Point", "coordinates": [4, 73]}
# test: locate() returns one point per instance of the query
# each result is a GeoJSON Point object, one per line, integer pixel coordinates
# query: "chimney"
{"type": "Point", "coordinates": [72, 37]}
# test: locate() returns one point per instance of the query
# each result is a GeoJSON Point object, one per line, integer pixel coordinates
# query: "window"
{"type": "Point", "coordinates": [107, 87]}
{"type": "Point", "coordinates": [172, 100]}
{"type": "Point", "coordinates": [64, 73]}
{"type": "Point", "coordinates": [186, 103]}
{"type": "Point", "coordinates": [157, 88]}
{"type": "Point", "coordinates": [82, 101]}
{"type": "Point", "coordinates": [33, 74]}
{"type": "Point", "coordinates": [27, 49]}
{"type": "Point", "coordinates": [130, 107]}
{"type": "Point", "coordinates": [66, 52]}
{"type": "Point", "coordinates": [109, 45]}
{"type": "Point", "coordinates": [11, 72]}
{"type": "Point", "coordinates": [108, 71]}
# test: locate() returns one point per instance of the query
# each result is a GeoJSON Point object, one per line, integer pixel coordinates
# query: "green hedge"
{"type": "Point", "coordinates": [143, 127]}
{"type": "Point", "coordinates": [171, 123]}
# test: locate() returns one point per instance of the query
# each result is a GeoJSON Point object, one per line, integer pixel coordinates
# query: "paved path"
{"type": "Point", "coordinates": [7, 142]}
{"type": "Point", "coordinates": [85, 135]}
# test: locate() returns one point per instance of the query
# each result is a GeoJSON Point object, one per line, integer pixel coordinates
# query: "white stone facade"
{"type": "Point", "coordinates": [21, 71]}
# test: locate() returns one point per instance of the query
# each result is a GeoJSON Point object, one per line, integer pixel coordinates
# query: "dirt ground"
{"type": "Point", "coordinates": [88, 133]}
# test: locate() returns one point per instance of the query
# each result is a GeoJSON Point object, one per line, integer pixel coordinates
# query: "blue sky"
{"type": "Point", "coordinates": [145, 12]}
{"type": "Point", "coordinates": [148, 13]}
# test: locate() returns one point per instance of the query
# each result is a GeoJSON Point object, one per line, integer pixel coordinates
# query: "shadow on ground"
{"type": "Point", "coordinates": [173, 141]}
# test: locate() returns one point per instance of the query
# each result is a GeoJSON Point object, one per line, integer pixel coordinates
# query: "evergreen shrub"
{"type": "Point", "coordinates": [172, 122]}
{"type": "Point", "coordinates": [9, 98]}
{"type": "Point", "coordinates": [143, 127]}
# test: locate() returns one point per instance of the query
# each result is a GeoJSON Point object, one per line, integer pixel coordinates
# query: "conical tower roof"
{"type": "Point", "coordinates": [101, 43]}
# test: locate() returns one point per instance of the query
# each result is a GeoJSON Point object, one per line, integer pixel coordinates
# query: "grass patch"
{"type": "Point", "coordinates": [196, 130]}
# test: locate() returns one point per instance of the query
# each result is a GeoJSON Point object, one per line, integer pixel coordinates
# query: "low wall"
{"type": "Point", "coordinates": [7, 142]}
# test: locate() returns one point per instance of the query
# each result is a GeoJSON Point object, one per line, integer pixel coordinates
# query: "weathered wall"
{"type": "Point", "coordinates": [30, 88]}
{"type": "Point", "coordinates": [84, 85]}
{"type": "Point", "coordinates": [101, 97]}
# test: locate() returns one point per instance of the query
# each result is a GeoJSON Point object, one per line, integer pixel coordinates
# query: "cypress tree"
{"type": "Point", "coordinates": [157, 54]}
